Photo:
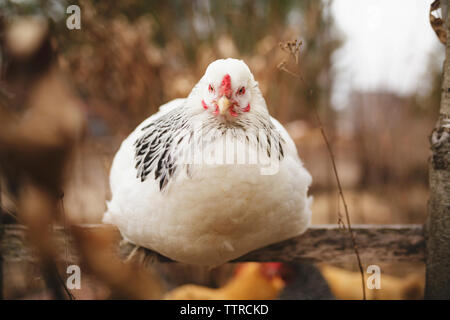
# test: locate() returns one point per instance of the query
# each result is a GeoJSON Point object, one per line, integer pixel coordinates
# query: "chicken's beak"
{"type": "Point", "coordinates": [223, 104]}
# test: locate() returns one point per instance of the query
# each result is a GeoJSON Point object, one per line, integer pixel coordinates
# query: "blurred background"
{"type": "Point", "coordinates": [371, 70]}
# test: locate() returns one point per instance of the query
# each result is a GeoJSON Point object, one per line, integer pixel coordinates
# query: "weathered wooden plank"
{"type": "Point", "coordinates": [321, 243]}
{"type": "Point", "coordinates": [329, 243]}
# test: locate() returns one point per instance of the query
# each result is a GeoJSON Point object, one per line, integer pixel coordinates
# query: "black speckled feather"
{"type": "Point", "coordinates": [157, 151]}
{"type": "Point", "coordinates": [154, 149]}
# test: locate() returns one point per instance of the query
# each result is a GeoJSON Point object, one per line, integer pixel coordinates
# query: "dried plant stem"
{"type": "Point", "coordinates": [293, 48]}
{"type": "Point", "coordinates": [63, 284]}
{"type": "Point", "coordinates": [341, 194]}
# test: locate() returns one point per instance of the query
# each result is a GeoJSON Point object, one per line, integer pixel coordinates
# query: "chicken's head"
{"type": "Point", "coordinates": [227, 89]}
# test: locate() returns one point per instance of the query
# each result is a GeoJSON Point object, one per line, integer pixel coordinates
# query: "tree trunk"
{"type": "Point", "coordinates": [438, 222]}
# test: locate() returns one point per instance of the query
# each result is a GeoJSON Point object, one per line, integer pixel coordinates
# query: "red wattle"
{"type": "Point", "coordinates": [205, 106]}
{"type": "Point", "coordinates": [232, 112]}
{"type": "Point", "coordinates": [217, 110]}
{"type": "Point", "coordinates": [247, 108]}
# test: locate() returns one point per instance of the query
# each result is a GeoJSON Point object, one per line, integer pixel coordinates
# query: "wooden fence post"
{"type": "Point", "coordinates": [438, 222]}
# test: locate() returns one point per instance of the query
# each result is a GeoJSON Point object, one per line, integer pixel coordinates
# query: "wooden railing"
{"type": "Point", "coordinates": [321, 243]}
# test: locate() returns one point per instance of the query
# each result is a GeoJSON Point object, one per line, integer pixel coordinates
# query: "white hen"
{"type": "Point", "coordinates": [210, 177]}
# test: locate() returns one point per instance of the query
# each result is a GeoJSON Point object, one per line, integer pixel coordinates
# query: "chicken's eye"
{"type": "Point", "coordinates": [211, 89]}
{"type": "Point", "coordinates": [241, 91]}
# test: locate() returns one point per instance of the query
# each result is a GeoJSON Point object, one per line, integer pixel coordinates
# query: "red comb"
{"type": "Point", "coordinates": [225, 86]}
{"type": "Point", "coordinates": [271, 267]}
{"type": "Point", "coordinates": [277, 269]}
